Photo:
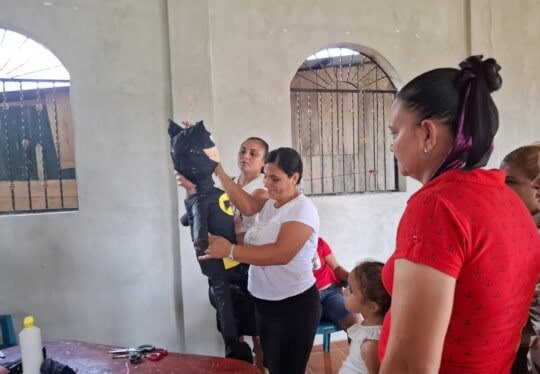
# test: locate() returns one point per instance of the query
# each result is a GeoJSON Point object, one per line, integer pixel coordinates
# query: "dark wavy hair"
{"type": "Point", "coordinates": [368, 274]}
{"type": "Point", "coordinates": [288, 160]}
{"type": "Point", "coordinates": [460, 99]}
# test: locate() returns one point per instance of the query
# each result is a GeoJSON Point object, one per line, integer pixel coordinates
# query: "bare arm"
{"type": "Point", "coordinates": [369, 351]}
{"type": "Point", "coordinates": [291, 238]}
{"type": "Point", "coordinates": [422, 302]}
{"type": "Point", "coordinates": [246, 203]}
{"type": "Point", "coordinates": [341, 273]}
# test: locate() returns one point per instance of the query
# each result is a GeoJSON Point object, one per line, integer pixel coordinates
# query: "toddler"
{"type": "Point", "coordinates": [366, 295]}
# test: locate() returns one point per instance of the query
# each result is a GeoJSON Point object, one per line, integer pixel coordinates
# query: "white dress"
{"type": "Point", "coordinates": [358, 333]}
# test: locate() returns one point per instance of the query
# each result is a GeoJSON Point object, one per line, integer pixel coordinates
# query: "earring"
{"type": "Point", "coordinates": [425, 151]}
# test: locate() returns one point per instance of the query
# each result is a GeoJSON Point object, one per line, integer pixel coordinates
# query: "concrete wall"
{"type": "Point", "coordinates": [509, 32]}
{"type": "Point", "coordinates": [115, 264]}
{"type": "Point", "coordinates": [110, 272]}
{"type": "Point", "coordinates": [192, 96]}
{"type": "Point", "coordinates": [255, 49]}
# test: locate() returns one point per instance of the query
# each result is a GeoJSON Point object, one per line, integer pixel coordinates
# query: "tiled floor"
{"type": "Point", "coordinates": [327, 362]}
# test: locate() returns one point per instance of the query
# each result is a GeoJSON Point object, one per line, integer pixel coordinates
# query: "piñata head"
{"type": "Point", "coordinates": [188, 147]}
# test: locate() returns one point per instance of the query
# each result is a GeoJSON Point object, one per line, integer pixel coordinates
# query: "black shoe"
{"type": "Point", "coordinates": [239, 351]}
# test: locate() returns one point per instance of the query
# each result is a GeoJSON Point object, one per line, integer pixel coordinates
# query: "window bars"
{"type": "Point", "coordinates": [340, 105]}
{"type": "Point", "coordinates": [37, 167]}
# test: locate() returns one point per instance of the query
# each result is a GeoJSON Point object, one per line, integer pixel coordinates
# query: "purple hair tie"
{"type": "Point", "coordinates": [456, 157]}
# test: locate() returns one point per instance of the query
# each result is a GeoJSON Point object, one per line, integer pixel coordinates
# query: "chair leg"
{"type": "Point", "coordinates": [326, 342]}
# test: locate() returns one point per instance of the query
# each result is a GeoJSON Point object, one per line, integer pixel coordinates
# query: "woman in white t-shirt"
{"type": "Point", "coordinates": [280, 246]}
{"type": "Point", "coordinates": [247, 192]}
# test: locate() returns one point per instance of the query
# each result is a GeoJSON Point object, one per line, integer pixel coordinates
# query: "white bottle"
{"type": "Point", "coordinates": [31, 348]}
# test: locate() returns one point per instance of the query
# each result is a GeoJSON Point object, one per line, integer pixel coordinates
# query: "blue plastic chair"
{"type": "Point", "coordinates": [326, 328]}
{"type": "Point", "coordinates": [9, 339]}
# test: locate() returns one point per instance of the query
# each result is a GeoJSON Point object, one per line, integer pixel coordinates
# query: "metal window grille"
{"type": "Point", "coordinates": [340, 106]}
{"type": "Point", "coordinates": [37, 168]}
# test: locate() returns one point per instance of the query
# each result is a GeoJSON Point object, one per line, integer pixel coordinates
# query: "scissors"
{"type": "Point", "coordinates": [136, 354]}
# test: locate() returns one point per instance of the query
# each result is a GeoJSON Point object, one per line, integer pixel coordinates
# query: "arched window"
{"type": "Point", "coordinates": [37, 160]}
{"type": "Point", "coordinates": [340, 101]}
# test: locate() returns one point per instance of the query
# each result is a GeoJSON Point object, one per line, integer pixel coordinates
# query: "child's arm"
{"type": "Point", "coordinates": [369, 351]}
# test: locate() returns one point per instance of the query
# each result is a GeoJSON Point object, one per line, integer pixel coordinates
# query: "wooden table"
{"type": "Point", "coordinates": [94, 359]}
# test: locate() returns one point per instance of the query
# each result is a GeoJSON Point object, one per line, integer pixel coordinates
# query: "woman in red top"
{"type": "Point", "coordinates": [467, 252]}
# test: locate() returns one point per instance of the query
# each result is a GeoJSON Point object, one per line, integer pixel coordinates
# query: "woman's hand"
{"type": "Point", "coordinates": [218, 247]}
{"type": "Point", "coordinates": [212, 154]}
{"type": "Point", "coordinates": [218, 171]}
{"type": "Point", "coordinates": [177, 176]}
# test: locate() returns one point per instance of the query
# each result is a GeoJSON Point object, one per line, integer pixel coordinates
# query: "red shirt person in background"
{"type": "Point", "coordinates": [467, 252]}
{"type": "Point", "coordinates": [329, 276]}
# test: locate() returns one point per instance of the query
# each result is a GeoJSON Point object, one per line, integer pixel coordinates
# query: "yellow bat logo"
{"type": "Point", "coordinates": [225, 204]}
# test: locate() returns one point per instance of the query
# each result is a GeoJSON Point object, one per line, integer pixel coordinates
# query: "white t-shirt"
{"type": "Point", "coordinates": [278, 282]}
{"type": "Point", "coordinates": [241, 222]}
{"type": "Point", "coordinates": [358, 333]}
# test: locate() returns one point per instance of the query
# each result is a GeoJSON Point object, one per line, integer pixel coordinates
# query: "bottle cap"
{"type": "Point", "coordinates": [28, 322]}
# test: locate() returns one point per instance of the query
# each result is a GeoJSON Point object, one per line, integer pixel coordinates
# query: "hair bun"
{"type": "Point", "coordinates": [491, 70]}
{"type": "Point", "coordinates": [474, 68]}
